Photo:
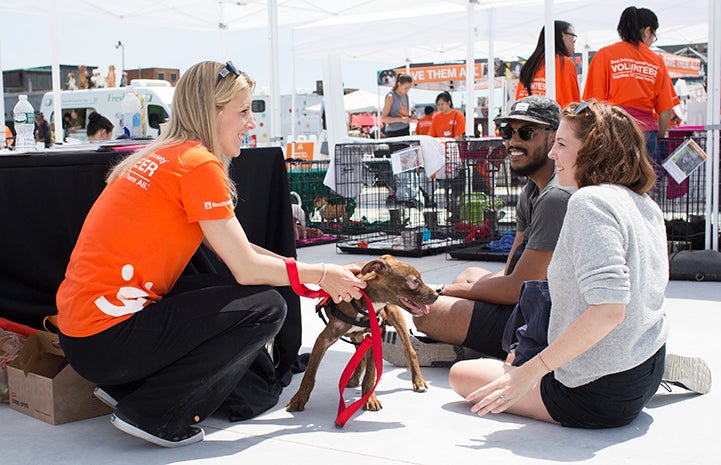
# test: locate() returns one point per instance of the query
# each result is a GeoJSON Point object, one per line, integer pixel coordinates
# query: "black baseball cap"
{"type": "Point", "coordinates": [534, 109]}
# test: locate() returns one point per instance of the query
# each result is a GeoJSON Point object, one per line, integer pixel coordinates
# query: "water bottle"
{"type": "Point", "coordinates": [132, 120]}
{"type": "Point", "coordinates": [24, 116]}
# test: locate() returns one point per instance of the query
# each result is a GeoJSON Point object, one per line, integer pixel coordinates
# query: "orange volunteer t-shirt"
{"type": "Point", "coordinates": [451, 125]}
{"type": "Point", "coordinates": [139, 236]}
{"type": "Point", "coordinates": [424, 125]}
{"type": "Point", "coordinates": [632, 77]}
{"type": "Point", "coordinates": [567, 90]}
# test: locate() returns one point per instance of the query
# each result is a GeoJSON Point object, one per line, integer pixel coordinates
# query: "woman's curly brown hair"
{"type": "Point", "coordinates": [614, 148]}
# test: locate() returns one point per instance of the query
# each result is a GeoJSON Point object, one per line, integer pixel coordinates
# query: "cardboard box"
{"type": "Point", "coordinates": [43, 385]}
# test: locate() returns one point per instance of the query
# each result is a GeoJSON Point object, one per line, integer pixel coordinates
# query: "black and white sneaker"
{"type": "Point", "coordinates": [105, 398]}
{"type": "Point", "coordinates": [190, 435]}
{"type": "Point", "coordinates": [691, 373]}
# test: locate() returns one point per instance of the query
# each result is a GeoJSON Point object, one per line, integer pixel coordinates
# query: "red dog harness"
{"type": "Point", "coordinates": [373, 340]}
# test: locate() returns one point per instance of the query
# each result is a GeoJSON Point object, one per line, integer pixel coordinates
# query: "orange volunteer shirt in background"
{"type": "Point", "coordinates": [631, 77]}
{"type": "Point", "coordinates": [424, 125]}
{"type": "Point", "coordinates": [451, 125]}
{"type": "Point", "coordinates": [139, 236]}
{"type": "Point", "coordinates": [567, 90]}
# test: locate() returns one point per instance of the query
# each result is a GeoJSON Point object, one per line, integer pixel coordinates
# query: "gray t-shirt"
{"type": "Point", "coordinates": [399, 107]}
{"type": "Point", "coordinates": [540, 216]}
{"type": "Point", "coordinates": [612, 249]}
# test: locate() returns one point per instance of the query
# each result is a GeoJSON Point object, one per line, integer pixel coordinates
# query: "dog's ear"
{"type": "Point", "coordinates": [379, 266]}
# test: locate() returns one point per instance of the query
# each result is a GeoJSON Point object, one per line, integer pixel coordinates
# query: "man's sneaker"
{"type": "Point", "coordinates": [690, 373]}
{"type": "Point", "coordinates": [190, 435]}
{"type": "Point", "coordinates": [430, 353]}
{"type": "Point", "coordinates": [105, 398]}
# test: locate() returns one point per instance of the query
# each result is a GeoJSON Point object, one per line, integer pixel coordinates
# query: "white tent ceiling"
{"type": "Point", "coordinates": [210, 15]}
{"type": "Point", "coordinates": [418, 36]}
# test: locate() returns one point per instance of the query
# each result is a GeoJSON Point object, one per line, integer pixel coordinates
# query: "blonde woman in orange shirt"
{"type": "Point", "coordinates": [166, 349]}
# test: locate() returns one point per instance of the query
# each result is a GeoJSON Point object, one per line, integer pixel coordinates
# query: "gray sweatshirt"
{"type": "Point", "coordinates": [612, 249]}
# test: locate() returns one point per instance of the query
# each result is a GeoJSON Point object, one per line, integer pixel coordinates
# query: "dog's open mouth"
{"type": "Point", "coordinates": [414, 308]}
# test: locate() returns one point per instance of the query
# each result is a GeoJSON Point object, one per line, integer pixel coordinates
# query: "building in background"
{"type": "Point", "coordinates": [34, 82]}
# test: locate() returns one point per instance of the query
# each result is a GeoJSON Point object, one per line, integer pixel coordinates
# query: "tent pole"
{"type": "Point", "coordinates": [57, 104]}
{"type": "Point", "coordinates": [490, 103]}
{"type": "Point", "coordinates": [334, 111]}
{"type": "Point", "coordinates": [550, 50]}
{"type": "Point", "coordinates": [470, 69]}
{"type": "Point", "coordinates": [293, 110]}
{"type": "Point", "coordinates": [275, 130]}
{"type": "Point", "coordinates": [713, 107]}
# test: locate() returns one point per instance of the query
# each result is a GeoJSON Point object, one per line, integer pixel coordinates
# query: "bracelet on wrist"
{"type": "Point", "coordinates": [325, 273]}
{"type": "Point", "coordinates": [439, 290]}
{"type": "Point", "coordinates": [544, 363]}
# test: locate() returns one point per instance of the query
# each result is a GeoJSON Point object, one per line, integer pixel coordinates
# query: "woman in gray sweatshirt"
{"type": "Point", "coordinates": [607, 328]}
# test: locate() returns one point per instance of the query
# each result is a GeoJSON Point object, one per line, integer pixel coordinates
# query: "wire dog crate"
{"type": "Point", "coordinates": [683, 204]}
{"type": "Point", "coordinates": [305, 179]}
{"type": "Point", "coordinates": [404, 212]}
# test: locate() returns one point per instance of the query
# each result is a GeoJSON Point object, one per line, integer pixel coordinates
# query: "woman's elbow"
{"type": "Point", "coordinates": [246, 278]}
{"type": "Point", "coordinates": [614, 314]}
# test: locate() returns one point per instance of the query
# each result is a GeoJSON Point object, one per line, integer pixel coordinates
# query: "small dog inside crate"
{"type": "Point", "coordinates": [298, 216]}
{"type": "Point", "coordinates": [331, 212]}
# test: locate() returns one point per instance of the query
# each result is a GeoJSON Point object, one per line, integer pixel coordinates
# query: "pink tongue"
{"type": "Point", "coordinates": [426, 309]}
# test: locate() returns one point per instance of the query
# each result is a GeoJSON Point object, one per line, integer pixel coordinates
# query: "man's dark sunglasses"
{"type": "Point", "coordinates": [227, 69]}
{"type": "Point", "coordinates": [524, 132]}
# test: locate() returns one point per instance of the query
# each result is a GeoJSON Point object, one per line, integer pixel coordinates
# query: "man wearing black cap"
{"type": "Point", "coordinates": [472, 311]}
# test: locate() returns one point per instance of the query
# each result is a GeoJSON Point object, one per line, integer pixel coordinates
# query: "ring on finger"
{"type": "Point", "coordinates": [502, 399]}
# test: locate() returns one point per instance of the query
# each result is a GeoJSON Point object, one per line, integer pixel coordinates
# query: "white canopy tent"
{"type": "Point", "coordinates": [207, 15]}
{"type": "Point", "coordinates": [400, 31]}
{"type": "Point", "coordinates": [511, 28]}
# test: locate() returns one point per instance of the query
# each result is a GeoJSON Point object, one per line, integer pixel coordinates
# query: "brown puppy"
{"type": "Point", "coordinates": [331, 212]}
{"type": "Point", "coordinates": [391, 284]}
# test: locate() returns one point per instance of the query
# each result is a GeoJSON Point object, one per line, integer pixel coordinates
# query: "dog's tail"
{"type": "Point", "coordinates": [297, 198]}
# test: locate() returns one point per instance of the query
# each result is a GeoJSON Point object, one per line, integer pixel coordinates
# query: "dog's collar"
{"type": "Point", "coordinates": [358, 321]}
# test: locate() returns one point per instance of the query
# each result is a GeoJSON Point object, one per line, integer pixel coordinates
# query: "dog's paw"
{"type": "Point", "coordinates": [295, 405]}
{"type": "Point", "coordinates": [420, 385]}
{"type": "Point", "coordinates": [373, 404]}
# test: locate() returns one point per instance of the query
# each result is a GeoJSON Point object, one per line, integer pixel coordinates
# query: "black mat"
{"type": "Point", "coordinates": [479, 253]}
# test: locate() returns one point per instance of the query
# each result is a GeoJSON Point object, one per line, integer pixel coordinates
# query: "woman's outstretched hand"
{"type": "Point", "coordinates": [341, 282]}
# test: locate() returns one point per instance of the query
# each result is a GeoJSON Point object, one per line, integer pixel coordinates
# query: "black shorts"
{"type": "Point", "coordinates": [486, 329]}
{"type": "Point", "coordinates": [610, 401]}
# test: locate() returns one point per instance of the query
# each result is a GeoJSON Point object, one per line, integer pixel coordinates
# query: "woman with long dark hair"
{"type": "Point", "coordinates": [533, 72]}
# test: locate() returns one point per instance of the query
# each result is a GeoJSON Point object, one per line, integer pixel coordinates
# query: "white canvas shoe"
{"type": "Point", "coordinates": [691, 373]}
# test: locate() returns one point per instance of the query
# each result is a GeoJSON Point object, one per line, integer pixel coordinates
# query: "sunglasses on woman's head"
{"type": "Point", "coordinates": [227, 69]}
{"type": "Point", "coordinates": [583, 106]}
{"type": "Point", "coordinates": [524, 132]}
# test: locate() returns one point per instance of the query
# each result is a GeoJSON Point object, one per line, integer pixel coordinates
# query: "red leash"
{"type": "Point", "coordinates": [374, 340]}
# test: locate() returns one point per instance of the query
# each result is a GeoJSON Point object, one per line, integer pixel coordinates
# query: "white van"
{"type": "Point", "coordinates": [156, 95]}
{"type": "Point", "coordinates": [306, 124]}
